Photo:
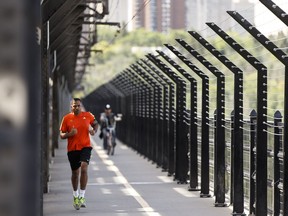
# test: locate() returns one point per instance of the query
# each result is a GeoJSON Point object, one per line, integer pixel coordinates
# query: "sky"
{"type": "Point", "coordinates": [266, 21]}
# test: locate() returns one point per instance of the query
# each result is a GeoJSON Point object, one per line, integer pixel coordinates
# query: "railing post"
{"type": "Point", "coordinates": [205, 179]}
{"type": "Point", "coordinates": [261, 204]}
{"type": "Point", "coordinates": [171, 118]}
{"type": "Point", "coordinates": [232, 158]}
{"type": "Point", "coordinates": [192, 120]}
{"type": "Point", "coordinates": [215, 151]}
{"type": "Point", "coordinates": [220, 105]}
{"type": "Point", "coordinates": [261, 137]}
{"type": "Point", "coordinates": [237, 136]}
{"type": "Point", "coordinates": [253, 119]}
{"type": "Point", "coordinates": [164, 120]}
{"type": "Point", "coordinates": [169, 125]}
{"type": "Point", "coordinates": [277, 143]}
{"type": "Point", "coordinates": [181, 170]}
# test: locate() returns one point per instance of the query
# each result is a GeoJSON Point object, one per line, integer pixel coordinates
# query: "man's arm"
{"type": "Point", "coordinates": [94, 125]}
{"type": "Point", "coordinates": [118, 117]}
{"type": "Point", "coordinates": [65, 135]}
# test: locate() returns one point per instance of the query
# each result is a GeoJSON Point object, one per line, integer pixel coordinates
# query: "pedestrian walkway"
{"type": "Point", "coordinates": [123, 184]}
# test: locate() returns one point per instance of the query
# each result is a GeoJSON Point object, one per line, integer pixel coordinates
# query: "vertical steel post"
{"type": "Point", "coordinates": [158, 100]}
{"type": "Point", "coordinates": [193, 186]}
{"type": "Point", "coordinates": [277, 143]}
{"type": "Point", "coordinates": [205, 180]}
{"type": "Point", "coordinates": [261, 110]}
{"type": "Point", "coordinates": [220, 132]}
{"type": "Point", "coordinates": [261, 187]}
{"type": "Point", "coordinates": [164, 125]}
{"type": "Point", "coordinates": [44, 107]}
{"type": "Point", "coordinates": [237, 137]}
{"type": "Point", "coordinates": [181, 170]}
{"type": "Point", "coordinates": [171, 118]}
{"type": "Point", "coordinates": [253, 120]}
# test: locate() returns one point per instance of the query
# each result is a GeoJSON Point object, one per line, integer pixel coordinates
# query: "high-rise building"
{"type": "Point", "coordinates": [163, 15]}
{"type": "Point", "coordinates": [201, 11]}
{"type": "Point", "coordinates": [153, 15]}
{"type": "Point", "coordinates": [121, 11]}
{"type": "Point", "coordinates": [178, 14]}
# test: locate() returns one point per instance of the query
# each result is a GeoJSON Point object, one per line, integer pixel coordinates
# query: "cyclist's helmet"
{"type": "Point", "coordinates": [107, 106]}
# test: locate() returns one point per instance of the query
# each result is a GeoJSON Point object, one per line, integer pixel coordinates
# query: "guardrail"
{"type": "Point", "coordinates": [240, 161]}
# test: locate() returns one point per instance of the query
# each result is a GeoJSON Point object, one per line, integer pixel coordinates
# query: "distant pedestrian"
{"type": "Point", "coordinates": [108, 128]}
{"type": "Point", "coordinates": [76, 127]}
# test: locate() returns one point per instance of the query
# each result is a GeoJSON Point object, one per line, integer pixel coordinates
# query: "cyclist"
{"type": "Point", "coordinates": [108, 127]}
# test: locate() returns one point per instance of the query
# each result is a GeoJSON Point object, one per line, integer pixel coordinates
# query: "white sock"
{"type": "Point", "coordinates": [82, 193]}
{"type": "Point", "coordinates": [75, 193]}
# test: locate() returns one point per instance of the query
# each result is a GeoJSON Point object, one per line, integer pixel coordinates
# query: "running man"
{"type": "Point", "coordinates": [76, 127]}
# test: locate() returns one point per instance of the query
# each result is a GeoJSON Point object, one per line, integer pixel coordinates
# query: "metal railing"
{"type": "Point", "coordinates": [241, 162]}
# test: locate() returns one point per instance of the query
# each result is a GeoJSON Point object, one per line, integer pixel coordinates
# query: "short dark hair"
{"type": "Point", "coordinates": [77, 99]}
{"type": "Point", "coordinates": [74, 100]}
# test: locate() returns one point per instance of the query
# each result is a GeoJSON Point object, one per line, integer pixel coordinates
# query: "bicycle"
{"type": "Point", "coordinates": [110, 145]}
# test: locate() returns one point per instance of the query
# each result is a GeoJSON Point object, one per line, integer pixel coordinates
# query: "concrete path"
{"type": "Point", "coordinates": [123, 184]}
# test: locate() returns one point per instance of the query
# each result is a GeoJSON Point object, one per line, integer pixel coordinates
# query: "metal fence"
{"type": "Point", "coordinates": [167, 119]}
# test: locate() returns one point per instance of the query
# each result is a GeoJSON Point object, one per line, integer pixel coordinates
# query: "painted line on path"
{"type": "Point", "coordinates": [120, 178]}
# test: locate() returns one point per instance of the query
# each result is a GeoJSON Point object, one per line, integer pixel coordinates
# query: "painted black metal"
{"type": "Point", "coordinates": [237, 153]}
{"type": "Point", "coordinates": [181, 160]}
{"type": "Point", "coordinates": [204, 123]}
{"type": "Point", "coordinates": [281, 14]}
{"type": "Point", "coordinates": [158, 145]}
{"type": "Point", "coordinates": [282, 57]}
{"type": "Point", "coordinates": [219, 159]}
{"type": "Point", "coordinates": [139, 144]}
{"type": "Point", "coordinates": [261, 143]}
{"type": "Point", "coordinates": [253, 123]}
{"type": "Point", "coordinates": [165, 127]}
{"type": "Point", "coordinates": [171, 117]}
{"type": "Point", "coordinates": [45, 107]}
{"type": "Point", "coordinates": [193, 185]}
{"type": "Point", "coordinates": [277, 143]}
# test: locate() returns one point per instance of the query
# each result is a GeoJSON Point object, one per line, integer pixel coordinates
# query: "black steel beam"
{"type": "Point", "coordinates": [193, 185]}
{"type": "Point", "coordinates": [281, 14]}
{"type": "Point", "coordinates": [181, 165]}
{"type": "Point", "coordinates": [261, 143]}
{"type": "Point", "coordinates": [237, 148]}
{"type": "Point", "coordinates": [204, 193]}
{"type": "Point", "coordinates": [219, 158]}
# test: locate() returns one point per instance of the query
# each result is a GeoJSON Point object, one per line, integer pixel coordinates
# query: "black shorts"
{"type": "Point", "coordinates": [76, 157]}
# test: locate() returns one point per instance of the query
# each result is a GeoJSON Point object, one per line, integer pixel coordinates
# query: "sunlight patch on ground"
{"type": "Point", "coordinates": [120, 179]}
{"type": "Point", "coordinates": [106, 191]}
{"type": "Point", "coordinates": [165, 179]}
{"type": "Point", "coordinates": [185, 192]}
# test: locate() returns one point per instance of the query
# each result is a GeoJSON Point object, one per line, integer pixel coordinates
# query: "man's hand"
{"type": "Point", "coordinates": [73, 132]}
{"type": "Point", "coordinates": [92, 132]}
{"type": "Point", "coordinates": [68, 134]}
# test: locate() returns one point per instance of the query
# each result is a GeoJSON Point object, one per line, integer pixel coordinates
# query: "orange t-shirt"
{"type": "Point", "coordinates": [81, 122]}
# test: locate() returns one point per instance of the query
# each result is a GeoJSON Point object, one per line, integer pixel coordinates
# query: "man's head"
{"type": "Point", "coordinates": [76, 105]}
{"type": "Point", "coordinates": [107, 109]}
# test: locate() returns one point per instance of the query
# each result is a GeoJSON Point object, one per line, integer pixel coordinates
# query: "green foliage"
{"type": "Point", "coordinates": [121, 49]}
